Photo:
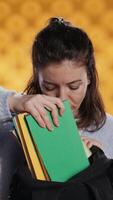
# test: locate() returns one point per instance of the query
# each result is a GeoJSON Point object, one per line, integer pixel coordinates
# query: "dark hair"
{"type": "Point", "coordinates": [60, 41]}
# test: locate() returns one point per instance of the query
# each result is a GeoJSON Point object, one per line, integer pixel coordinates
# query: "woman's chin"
{"type": "Point", "coordinates": [75, 112]}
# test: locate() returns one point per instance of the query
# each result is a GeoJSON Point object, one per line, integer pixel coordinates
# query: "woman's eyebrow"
{"type": "Point", "coordinates": [69, 83]}
{"type": "Point", "coordinates": [47, 82]}
{"type": "Point", "coordinates": [75, 81]}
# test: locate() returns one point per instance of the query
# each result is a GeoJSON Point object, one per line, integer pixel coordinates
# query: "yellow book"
{"type": "Point", "coordinates": [34, 163]}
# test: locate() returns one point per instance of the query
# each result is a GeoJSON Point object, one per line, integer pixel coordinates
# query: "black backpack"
{"type": "Point", "coordinates": [94, 183]}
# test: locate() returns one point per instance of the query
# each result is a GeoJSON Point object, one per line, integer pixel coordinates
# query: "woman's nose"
{"type": "Point", "coordinates": [63, 95]}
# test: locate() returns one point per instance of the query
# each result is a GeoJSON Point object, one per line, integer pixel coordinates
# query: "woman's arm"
{"type": "Point", "coordinates": [6, 122]}
{"type": "Point", "coordinates": [12, 103]}
{"type": "Point", "coordinates": [5, 112]}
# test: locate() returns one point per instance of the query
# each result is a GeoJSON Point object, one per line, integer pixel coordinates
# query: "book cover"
{"type": "Point", "coordinates": [61, 149]}
{"type": "Point", "coordinates": [29, 149]}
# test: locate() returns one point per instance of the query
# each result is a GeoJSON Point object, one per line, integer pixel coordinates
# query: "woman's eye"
{"type": "Point", "coordinates": [74, 87]}
{"type": "Point", "coordinates": [49, 88]}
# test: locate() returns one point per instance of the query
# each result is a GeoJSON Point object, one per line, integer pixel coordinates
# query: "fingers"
{"type": "Point", "coordinates": [57, 102]}
{"type": "Point", "coordinates": [38, 118]}
{"type": "Point", "coordinates": [54, 111]}
{"type": "Point", "coordinates": [91, 142]}
{"type": "Point", "coordinates": [52, 104]}
{"type": "Point", "coordinates": [44, 116]}
{"type": "Point", "coordinates": [40, 114]}
{"type": "Point", "coordinates": [37, 105]}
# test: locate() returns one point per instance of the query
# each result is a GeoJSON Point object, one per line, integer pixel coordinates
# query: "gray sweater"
{"type": "Point", "coordinates": [5, 114]}
{"type": "Point", "coordinates": [103, 135]}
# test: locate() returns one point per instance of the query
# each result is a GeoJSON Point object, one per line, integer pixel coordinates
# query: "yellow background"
{"type": "Point", "coordinates": [20, 20]}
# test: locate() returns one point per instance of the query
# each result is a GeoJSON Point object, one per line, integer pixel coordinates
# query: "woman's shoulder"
{"type": "Point", "coordinates": [108, 123]}
{"type": "Point", "coordinates": [109, 118]}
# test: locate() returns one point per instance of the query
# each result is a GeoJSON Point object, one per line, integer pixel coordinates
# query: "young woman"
{"type": "Point", "coordinates": [64, 68]}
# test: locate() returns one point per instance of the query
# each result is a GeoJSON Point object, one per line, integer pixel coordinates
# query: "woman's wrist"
{"type": "Point", "coordinates": [5, 112]}
{"type": "Point", "coordinates": [13, 102]}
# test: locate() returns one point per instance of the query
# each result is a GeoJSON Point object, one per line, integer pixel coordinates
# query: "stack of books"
{"type": "Point", "coordinates": [55, 155]}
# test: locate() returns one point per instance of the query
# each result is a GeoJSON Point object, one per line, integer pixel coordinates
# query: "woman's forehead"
{"type": "Point", "coordinates": [68, 66]}
{"type": "Point", "coordinates": [66, 71]}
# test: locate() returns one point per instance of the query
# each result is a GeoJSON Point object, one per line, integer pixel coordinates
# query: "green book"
{"type": "Point", "coordinates": [61, 149]}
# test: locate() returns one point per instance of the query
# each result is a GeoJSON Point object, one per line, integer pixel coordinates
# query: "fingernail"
{"type": "Point", "coordinates": [61, 112]}
{"type": "Point", "coordinates": [43, 125]}
{"type": "Point", "coordinates": [50, 127]}
{"type": "Point", "coordinates": [56, 122]}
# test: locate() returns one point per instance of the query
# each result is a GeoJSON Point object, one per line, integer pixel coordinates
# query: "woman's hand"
{"type": "Point", "coordinates": [91, 142]}
{"type": "Point", "coordinates": [35, 105]}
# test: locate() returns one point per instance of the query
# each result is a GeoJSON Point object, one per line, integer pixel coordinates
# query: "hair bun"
{"type": "Point", "coordinates": [58, 21]}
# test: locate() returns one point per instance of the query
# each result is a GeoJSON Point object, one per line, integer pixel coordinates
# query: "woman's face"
{"type": "Point", "coordinates": [67, 80]}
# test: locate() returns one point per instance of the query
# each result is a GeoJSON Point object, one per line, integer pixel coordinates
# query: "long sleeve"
{"type": "Point", "coordinates": [5, 114]}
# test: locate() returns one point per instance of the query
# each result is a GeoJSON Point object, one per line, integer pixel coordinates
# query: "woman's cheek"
{"type": "Point", "coordinates": [80, 97]}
